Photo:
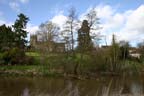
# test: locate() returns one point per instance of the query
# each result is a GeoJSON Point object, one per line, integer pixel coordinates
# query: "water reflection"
{"type": "Point", "coordinates": [26, 86]}
{"type": "Point", "coordinates": [25, 92]}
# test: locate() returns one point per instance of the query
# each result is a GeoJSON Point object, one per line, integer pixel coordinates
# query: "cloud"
{"type": "Point", "coordinates": [59, 19]}
{"type": "Point", "coordinates": [32, 29]}
{"type": "Point", "coordinates": [125, 25]}
{"type": "Point", "coordinates": [15, 6]}
{"type": "Point", "coordinates": [105, 11]}
{"type": "Point", "coordinates": [134, 20]}
{"type": "Point", "coordinates": [2, 22]}
{"type": "Point", "coordinates": [24, 1]}
{"type": "Point", "coordinates": [110, 19]}
{"type": "Point", "coordinates": [133, 29]}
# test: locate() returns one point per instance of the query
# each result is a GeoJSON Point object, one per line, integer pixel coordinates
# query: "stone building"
{"type": "Point", "coordinates": [45, 45]}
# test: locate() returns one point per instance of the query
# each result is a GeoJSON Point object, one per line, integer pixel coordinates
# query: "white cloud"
{"type": "Point", "coordinates": [24, 1]}
{"type": "Point", "coordinates": [133, 29]}
{"type": "Point", "coordinates": [6, 23]}
{"type": "Point", "coordinates": [20, 1]}
{"type": "Point", "coordinates": [2, 22]}
{"type": "Point", "coordinates": [134, 20]}
{"type": "Point", "coordinates": [105, 11]}
{"type": "Point", "coordinates": [32, 29]}
{"type": "Point", "coordinates": [126, 25]}
{"type": "Point", "coordinates": [110, 19]}
{"type": "Point", "coordinates": [15, 6]}
{"type": "Point", "coordinates": [59, 19]}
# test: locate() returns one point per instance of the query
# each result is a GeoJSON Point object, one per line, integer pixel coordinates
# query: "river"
{"type": "Point", "coordinates": [44, 86]}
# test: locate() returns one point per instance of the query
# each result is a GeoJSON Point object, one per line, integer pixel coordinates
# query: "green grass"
{"type": "Point", "coordinates": [32, 54]}
{"type": "Point", "coordinates": [27, 70]}
{"type": "Point", "coordinates": [20, 67]}
{"type": "Point", "coordinates": [59, 63]}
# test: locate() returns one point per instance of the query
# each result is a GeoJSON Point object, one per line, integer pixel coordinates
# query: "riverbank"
{"type": "Point", "coordinates": [42, 71]}
{"type": "Point", "coordinates": [26, 70]}
{"type": "Point", "coordinates": [89, 66]}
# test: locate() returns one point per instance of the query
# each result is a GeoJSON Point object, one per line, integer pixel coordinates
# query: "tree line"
{"type": "Point", "coordinates": [72, 34]}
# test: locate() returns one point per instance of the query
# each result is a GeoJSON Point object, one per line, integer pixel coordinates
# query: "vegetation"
{"type": "Point", "coordinates": [48, 54]}
{"type": "Point", "coordinates": [13, 43]}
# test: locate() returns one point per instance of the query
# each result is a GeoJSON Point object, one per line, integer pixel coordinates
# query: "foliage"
{"type": "Point", "coordinates": [20, 32]}
{"type": "Point", "coordinates": [84, 39]}
{"type": "Point", "coordinates": [124, 50]}
{"type": "Point", "coordinates": [114, 55]}
{"type": "Point", "coordinates": [12, 42]}
{"type": "Point", "coordinates": [141, 50]}
{"type": "Point", "coordinates": [34, 54]}
{"type": "Point", "coordinates": [6, 38]}
{"type": "Point", "coordinates": [15, 56]}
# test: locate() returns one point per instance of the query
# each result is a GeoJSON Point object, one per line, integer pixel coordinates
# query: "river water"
{"type": "Point", "coordinates": [44, 86]}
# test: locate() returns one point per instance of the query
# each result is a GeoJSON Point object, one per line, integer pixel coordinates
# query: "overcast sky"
{"type": "Point", "coordinates": [124, 18]}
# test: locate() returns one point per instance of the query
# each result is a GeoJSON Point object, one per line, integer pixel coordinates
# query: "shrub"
{"type": "Point", "coordinates": [16, 56]}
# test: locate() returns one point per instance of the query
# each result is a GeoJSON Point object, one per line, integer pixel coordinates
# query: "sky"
{"type": "Point", "coordinates": [124, 18]}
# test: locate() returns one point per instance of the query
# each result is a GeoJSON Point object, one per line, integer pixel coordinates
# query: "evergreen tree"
{"type": "Point", "coordinates": [6, 38]}
{"type": "Point", "coordinates": [84, 39]}
{"type": "Point", "coordinates": [20, 32]}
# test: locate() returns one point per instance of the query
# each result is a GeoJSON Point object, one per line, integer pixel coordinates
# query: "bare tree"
{"type": "Point", "coordinates": [92, 17]}
{"type": "Point", "coordinates": [70, 26]}
{"type": "Point", "coordinates": [94, 23]}
{"type": "Point", "coordinates": [48, 33]}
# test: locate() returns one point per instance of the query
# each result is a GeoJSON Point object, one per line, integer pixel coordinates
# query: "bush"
{"type": "Point", "coordinates": [16, 56]}
{"type": "Point", "coordinates": [93, 64]}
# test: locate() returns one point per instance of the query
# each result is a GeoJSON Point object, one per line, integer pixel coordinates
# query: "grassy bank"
{"type": "Point", "coordinates": [43, 70]}
{"type": "Point", "coordinates": [89, 66]}
{"type": "Point", "coordinates": [27, 70]}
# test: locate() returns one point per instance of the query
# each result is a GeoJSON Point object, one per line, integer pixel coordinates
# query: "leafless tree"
{"type": "Point", "coordinates": [94, 24]}
{"type": "Point", "coordinates": [70, 27]}
{"type": "Point", "coordinates": [48, 33]}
